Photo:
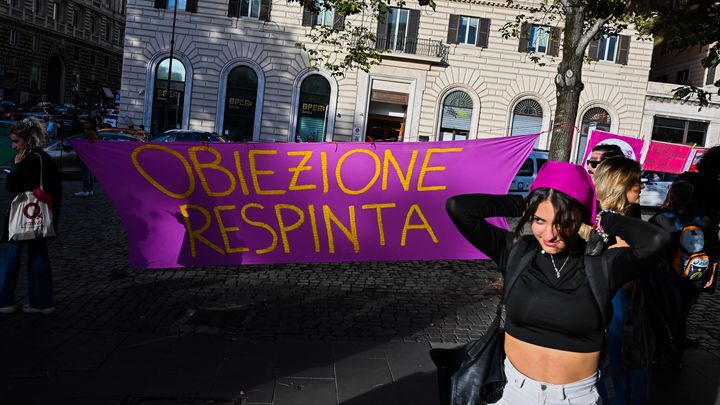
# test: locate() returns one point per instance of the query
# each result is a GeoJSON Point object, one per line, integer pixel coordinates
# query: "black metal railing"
{"type": "Point", "coordinates": [414, 46]}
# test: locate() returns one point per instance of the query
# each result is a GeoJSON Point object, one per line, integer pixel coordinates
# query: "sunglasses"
{"type": "Point", "coordinates": [593, 163]}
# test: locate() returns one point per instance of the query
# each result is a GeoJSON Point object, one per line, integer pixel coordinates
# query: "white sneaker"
{"type": "Point", "coordinates": [82, 194]}
{"type": "Point", "coordinates": [30, 310]}
{"type": "Point", "coordinates": [7, 310]}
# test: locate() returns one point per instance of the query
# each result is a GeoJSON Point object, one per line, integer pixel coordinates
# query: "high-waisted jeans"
{"type": "Point", "coordinates": [523, 390]}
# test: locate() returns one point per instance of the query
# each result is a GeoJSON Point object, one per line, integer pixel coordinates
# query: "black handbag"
{"type": "Point", "coordinates": [473, 374]}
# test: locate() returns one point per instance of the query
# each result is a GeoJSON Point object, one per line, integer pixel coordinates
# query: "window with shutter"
{"type": "Point", "coordinates": [453, 29]}
{"type": "Point", "coordinates": [710, 76]}
{"type": "Point", "coordinates": [323, 16]}
{"type": "Point", "coordinates": [539, 39]}
{"type": "Point", "coordinates": [233, 8]}
{"type": "Point", "coordinates": [607, 48]}
{"type": "Point", "coordinates": [623, 50]}
{"type": "Point", "coordinates": [456, 116]}
{"type": "Point", "coordinates": [527, 118]}
{"type": "Point", "coordinates": [483, 37]}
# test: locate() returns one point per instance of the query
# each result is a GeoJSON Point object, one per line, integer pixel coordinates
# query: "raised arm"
{"type": "Point", "coordinates": [469, 213]}
{"type": "Point", "coordinates": [647, 245]}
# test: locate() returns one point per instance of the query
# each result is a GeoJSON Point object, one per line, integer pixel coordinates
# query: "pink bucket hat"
{"type": "Point", "coordinates": [569, 179]}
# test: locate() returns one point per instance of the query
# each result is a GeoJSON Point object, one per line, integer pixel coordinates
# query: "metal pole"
{"type": "Point", "coordinates": [172, 50]}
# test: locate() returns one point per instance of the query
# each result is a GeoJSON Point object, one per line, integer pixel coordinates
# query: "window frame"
{"type": "Point", "coordinates": [13, 37]}
{"type": "Point", "coordinates": [467, 30]}
{"type": "Point", "coordinates": [686, 129]}
{"type": "Point", "coordinates": [457, 133]}
{"type": "Point", "coordinates": [534, 28]}
{"type": "Point", "coordinates": [35, 70]}
{"type": "Point", "coordinates": [603, 53]}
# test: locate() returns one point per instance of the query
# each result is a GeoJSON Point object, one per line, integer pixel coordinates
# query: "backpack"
{"type": "Point", "coordinates": [691, 261]}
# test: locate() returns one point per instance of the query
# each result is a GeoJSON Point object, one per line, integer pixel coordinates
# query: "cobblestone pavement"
{"type": "Point", "coordinates": [348, 333]}
{"type": "Point", "coordinates": [435, 301]}
{"type": "Point", "coordinates": [439, 301]}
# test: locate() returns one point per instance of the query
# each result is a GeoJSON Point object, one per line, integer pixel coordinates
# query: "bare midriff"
{"type": "Point", "coordinates": [550, 365]}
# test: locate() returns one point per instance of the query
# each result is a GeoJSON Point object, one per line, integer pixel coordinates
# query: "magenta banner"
{"type": "Point", "coordinates": [631, 147]}
{"type": "Point", "coordinates": [667, 157]}
{"type": "Point", "coordinates": [195, 204]}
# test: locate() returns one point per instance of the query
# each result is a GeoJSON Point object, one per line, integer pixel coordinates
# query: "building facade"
{"type": "Point", "coordinates": [669, 120]}
{"type": "Point", "coordinates": [60, 51]}
{"type": "Point", "coordinates": [450, 75]}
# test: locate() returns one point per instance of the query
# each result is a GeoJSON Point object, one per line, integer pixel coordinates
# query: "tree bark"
{"type": "Point", "coordinates": [568, 83]}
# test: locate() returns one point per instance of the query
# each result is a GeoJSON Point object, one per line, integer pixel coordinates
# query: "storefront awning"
{"type": "Point", "coordinates": [108, 93]}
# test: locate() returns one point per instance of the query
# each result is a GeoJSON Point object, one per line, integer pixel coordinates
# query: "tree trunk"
{"type": "Point", "coordinates": [568, 84]}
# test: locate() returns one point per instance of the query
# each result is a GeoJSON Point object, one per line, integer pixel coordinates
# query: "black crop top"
{"type": "Point", "coordinates": [542, 309]}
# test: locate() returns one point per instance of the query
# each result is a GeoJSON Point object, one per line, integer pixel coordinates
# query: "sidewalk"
{"type": "Point", "coordinates": [295, 334]}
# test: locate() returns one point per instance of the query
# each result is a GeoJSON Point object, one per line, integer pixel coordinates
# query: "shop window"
{"type": "Point", "coordinates": [240, 104]}
{"type": "Point", "coordinates": [168, 96]}
{"type": "Point", "coordinates": [313, 109]}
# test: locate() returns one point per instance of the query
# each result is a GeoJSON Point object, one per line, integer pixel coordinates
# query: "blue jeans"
{"type": "Point", "coordinates": [39, 273]}
{"type": "Point", "coordinates": [87, 177]}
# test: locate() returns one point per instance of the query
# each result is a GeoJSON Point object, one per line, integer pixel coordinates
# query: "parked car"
{"type": "Point", "coordinates": [140, 135]}
{"type": "Point", "coordinates": [111, 120]}
{"type": "Point", "coordinates": [187, 135]}
{"type": "Point", "coordinates": [67, 159]}
{"type": "Point", "coordinates": [527, 173]}
{"type": "Point", "coordinates": [6, 151]}
{"type": "Point", "coordinates": [656, 188]}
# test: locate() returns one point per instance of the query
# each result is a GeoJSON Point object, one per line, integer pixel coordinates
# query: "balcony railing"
{"type": "Point", "coordinates": [413, 46]}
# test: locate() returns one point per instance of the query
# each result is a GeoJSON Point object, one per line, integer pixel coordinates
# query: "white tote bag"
{"type": "Point", "coordinates": [30, 217]}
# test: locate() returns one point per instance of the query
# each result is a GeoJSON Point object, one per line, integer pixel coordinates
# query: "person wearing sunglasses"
{"type": "Point", "coordinates": [599, 154]}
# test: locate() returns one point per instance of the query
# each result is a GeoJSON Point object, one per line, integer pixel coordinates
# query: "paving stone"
{"type": "Point", "coordinates": [306, 391]}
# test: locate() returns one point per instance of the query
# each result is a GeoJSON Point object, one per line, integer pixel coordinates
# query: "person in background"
{"type": "Point", "coordinates": [28, 137]}
{"type": "Point", "coordinates": [706, 198]}
{"type": "Point", "coordinates": [87, 176]}
{"type": "Point", "coordinates": [618, 187]}
{"type": "Point", "coordinates": [600, 153]}
{"type": "Point", "coordinates": [52, 128]}
{"type": "Point", "coordinates": [554, 329]}
{"type": "Point", "coordinates": [677, 213]}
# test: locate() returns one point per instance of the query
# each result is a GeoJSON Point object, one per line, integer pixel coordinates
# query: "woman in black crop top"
{"type": "Point", "coordinates": [555, 330]}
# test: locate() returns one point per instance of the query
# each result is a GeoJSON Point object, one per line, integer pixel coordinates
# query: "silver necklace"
{"type": "Point", "coordinates": [557, 271]}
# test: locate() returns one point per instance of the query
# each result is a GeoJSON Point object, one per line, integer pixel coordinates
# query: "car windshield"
{"type": "Point", "coordinates": [526, 169]}
{"type": "Point", "coordinates": [659, 176]}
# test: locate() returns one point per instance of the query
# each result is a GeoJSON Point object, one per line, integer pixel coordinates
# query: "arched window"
{"type": "Point", "coordinates": [456, 116]}
{"type": "Point", "coordinates": [168, 97]}
{"type": "Point", "coordinates": [313, 109]}
{"type": "Point", "coordinates": [594, 118]}
{"type": "Point", "coordinates": [240, 104]}
{"type": "Point", "coordinates": [527, 118]}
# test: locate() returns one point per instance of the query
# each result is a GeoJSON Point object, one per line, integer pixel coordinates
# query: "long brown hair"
{"type": "Point", "coordinates": [569, 213]}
